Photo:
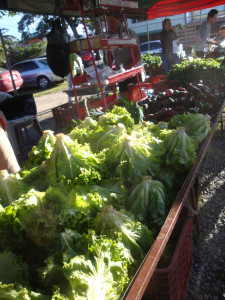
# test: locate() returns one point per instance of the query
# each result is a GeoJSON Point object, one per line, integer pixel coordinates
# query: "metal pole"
{"type": "Point", "coordinates": [148, 35]}
{"type": "Point", "coordinates": [8, 64]}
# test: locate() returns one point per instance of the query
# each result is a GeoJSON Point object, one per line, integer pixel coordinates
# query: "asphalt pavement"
{"type": "Point", "coordinates": [44, 106]}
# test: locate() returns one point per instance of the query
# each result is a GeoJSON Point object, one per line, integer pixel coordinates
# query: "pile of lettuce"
{"type": "Point", "coordinates": [79, 218]}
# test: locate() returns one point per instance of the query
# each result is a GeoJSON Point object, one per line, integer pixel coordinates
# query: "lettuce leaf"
{"type": "Point", "coordinates": [197, 126]}
{"type": "Point", "coordinates": [131, 159]}
{"type": "Point", "coordinates": [12, 270]}
{"type": "Point", "coordinates": [180, 150]}
{"type": "Point", "coordinates": [108, 137]}
{"type": "Point", "coordinates": [11, 187]}
{"type": "Point", "coordinates": [117, 115]}
{"type": "Point", "coordinates": [147, 200]}
{"type": "Point", "coordinates": [96, 274]}
{"type": "Point", "coordinates": [83, 130]}
{"type": "Point", "coordinates": [72, 163]}
{"type": "Point", "coordinates": [137, 238]}
{"type": "Point", "coordinates": [42, 151]}
{"type": "Point", "coordinates": [11, 292]}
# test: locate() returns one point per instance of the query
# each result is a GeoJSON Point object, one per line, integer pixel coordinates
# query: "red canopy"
{"type": "Point", "coordinates": [175, 7]}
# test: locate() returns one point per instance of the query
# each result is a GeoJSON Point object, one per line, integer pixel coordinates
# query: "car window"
{"type": "Point", "coordinates": [16, 67]}
{"type": "Point", "coordinates": [27, 66]}
{"type": "Point", "coordinates": [44, 62]}
{"type": "Point", "coordinates": [154, 46]}
{"type": "Point", "coordinates": [144, 47]}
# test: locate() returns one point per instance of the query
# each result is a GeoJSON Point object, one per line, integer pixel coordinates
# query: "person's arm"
{"type": "Point", "coordinates": [80, 65]}
{"type": "Point", "coordinates": [73, 59]}
{"type": "Point", "coordinates": [173, 34]}
{"type": "Point", "coordinates": [136, 50]}
{"type": "Point", "coordinates": [137, 57]}
{"type": "Point", "coordinates": [204, 32]}
{"type": "Point", "coordinates": [213, 42]}
{"type": "Point", "coordinates": [3, 120]}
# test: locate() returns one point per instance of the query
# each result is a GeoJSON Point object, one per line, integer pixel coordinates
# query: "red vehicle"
{"type": "Point", "coordinates": [6, 81]}
{"type": "Point", "coordinates": [86, 58]}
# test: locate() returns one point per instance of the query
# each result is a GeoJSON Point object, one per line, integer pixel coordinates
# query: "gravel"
{"type": "Point", "coordinates": [207, 280]}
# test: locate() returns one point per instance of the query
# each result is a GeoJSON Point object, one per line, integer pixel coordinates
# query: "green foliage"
{"type": "Point", "coordinates": [137, 238]}
{"type": "Point", "coordinates": [152, 61]}
{"type": "Point", "coordinates": [72, 163]}
{"type": "Point", "coordinates": [104, 137]}
{"type": "Point", "coordinates": [131, 158]}
{"type": "Point", "coordinates": [11, 46]}
{"type": "Point", "coordinates": [17, 52]}
{"type": "Point", "coordinates": [133, 108]}
{"type": "Point", "coordinates": [197, 126]}
{"type": "Point", "coordinates": [11, 268]}
{"type": "Point", "coordinates": [11, 187]}
{"type": "Point", "coordinates": [50, 228]}
{"type": "Point", "coordinates": [207, 70]}
{"type": "Point", "coordinates": [147, 200]}
{"type": "Point", "coordinates": [42, 151]}
{"type": "Point", "coordinates": [11, 292]}
{"type": "Point", "coordinates": [180, 151]}
{"type": "Point", "coordinates": [95, 275]}
{"type": "Point", "coordinates": [117, 115]}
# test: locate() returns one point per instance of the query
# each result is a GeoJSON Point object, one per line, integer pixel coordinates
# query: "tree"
{"type": "Point", "coordinates": [11, 44]}
{"type": "Point", "coordinates": [44, 24]}
{"type": "Point", "coordinates": [17, 52]}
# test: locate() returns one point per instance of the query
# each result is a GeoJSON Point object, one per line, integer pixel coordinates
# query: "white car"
{"type": "Point", "coordinates": [153, 46]}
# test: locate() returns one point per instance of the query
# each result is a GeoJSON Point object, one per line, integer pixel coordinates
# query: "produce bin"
{"type": "Point", "coordinates": [141, 283]}
{"type": "Point", "coordinates": [157, 83]}
{"type": "Point", "coordinates": [65, 114]}
{"type": "Point", "coordinates": [170, 283]}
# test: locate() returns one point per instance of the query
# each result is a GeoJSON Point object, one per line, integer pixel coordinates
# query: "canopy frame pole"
{"type": "Point", "coordinates": [8, 64]}
{"type": "Point", "coordinates": [148, 35]}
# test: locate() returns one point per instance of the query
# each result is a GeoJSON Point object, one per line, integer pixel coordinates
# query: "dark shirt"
{"type": "Point", "coordinates": [167, 38]}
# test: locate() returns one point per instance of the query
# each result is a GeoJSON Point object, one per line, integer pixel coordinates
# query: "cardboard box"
{"type": "Point", "coordinates": [80, 45]}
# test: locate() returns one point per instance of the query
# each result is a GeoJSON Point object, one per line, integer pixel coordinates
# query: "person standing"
{"type": "Point", "coordinates": [167, 36]}
{"type": "Point", "coordinates": [201, 45]}
{"type": "Point", "coordinates": [8, 159]}
{"type": "Point", "coordinates": [122, 56]}
{"type": "Point", "coordinates": [75, 61]}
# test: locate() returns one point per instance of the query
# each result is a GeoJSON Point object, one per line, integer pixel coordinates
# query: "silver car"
{"type": "Point", "coordinates": [36, 72]}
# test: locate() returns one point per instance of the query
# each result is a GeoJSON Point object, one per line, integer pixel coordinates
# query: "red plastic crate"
{"type": "Point", "coordinates": [171, 283]}
{"type": "Point", "coordinates": [80, 79]}
{"type": "Point", "coordinates": [64, 114]}
{"type": "Point", "coordinates": [157, 83]}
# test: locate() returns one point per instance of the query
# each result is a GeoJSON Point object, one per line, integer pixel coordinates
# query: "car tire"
{"type": "Point", "coordinates": [43, 82]}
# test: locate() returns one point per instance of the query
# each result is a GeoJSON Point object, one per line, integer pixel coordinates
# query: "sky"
{"type": "Point", "coordinates": [9, 25]}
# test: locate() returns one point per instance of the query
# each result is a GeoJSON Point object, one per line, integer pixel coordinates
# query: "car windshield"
{"type": "Point", "coordinates": [153, 46]}
{"type": "Point", "coordinates": [2, 70]}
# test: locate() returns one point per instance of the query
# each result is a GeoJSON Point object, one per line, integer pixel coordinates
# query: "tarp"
{"type": "Point", "coordinates": [153, 8]}
{"type": "Point", "coordinates": [40, 7]}
{"type": "Point", "coordinates": [68, 7]}
{"type": "Point", "coordinates": [175, 7]}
